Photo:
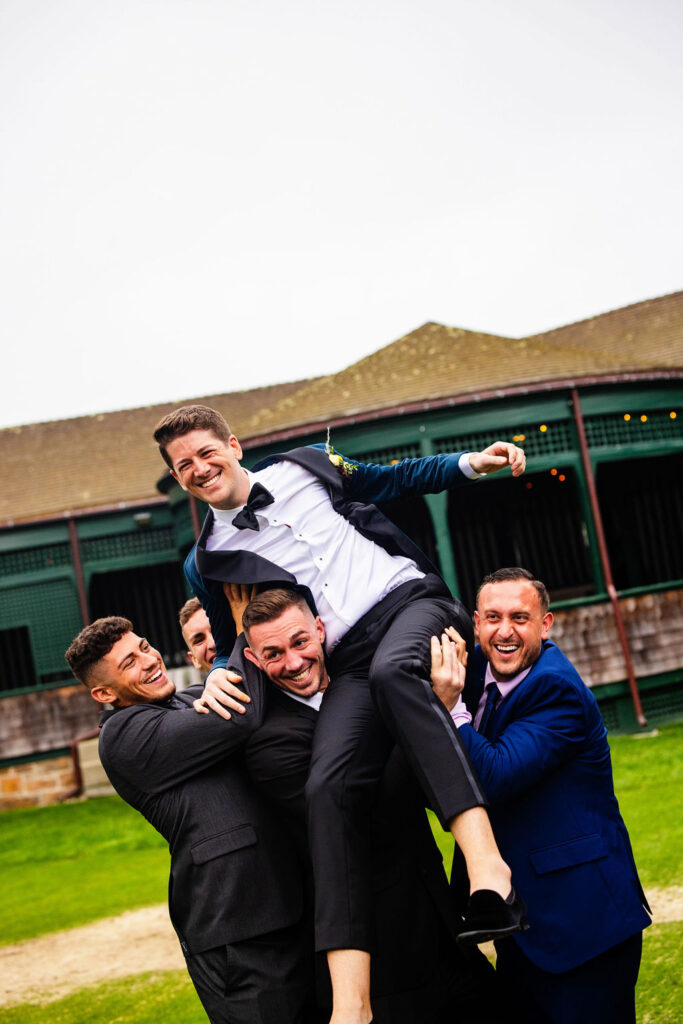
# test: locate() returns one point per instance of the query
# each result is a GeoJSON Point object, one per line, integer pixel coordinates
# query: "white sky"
{"type": "Point", "coordinates": [207, 195]}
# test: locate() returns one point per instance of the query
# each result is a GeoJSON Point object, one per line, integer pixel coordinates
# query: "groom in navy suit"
{"type": "Point", "coordinates": [535, 735]}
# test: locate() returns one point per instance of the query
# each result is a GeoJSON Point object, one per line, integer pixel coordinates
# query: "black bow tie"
{"type": "Point", "coordinates": [246, 519]}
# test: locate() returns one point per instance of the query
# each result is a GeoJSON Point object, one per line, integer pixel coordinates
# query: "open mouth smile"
{"type": "Point", "coordinates": [212, 480]}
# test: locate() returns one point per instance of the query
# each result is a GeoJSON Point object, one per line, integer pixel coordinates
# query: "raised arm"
{"type": "Point", "coordinates": [374, 484]}
{"type": "Point", "coordinates": [550, 730]}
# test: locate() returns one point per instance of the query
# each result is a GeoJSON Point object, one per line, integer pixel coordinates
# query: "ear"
{"type": "Point", "coordinates": [547, 623]}
{"type": "Point", "coordinates": [476, 620]}
{"type": "Point", "coordinates": [236, 446]}
{"type": "Point", "coordinates": [178, 480]}
{"type": "Point", "coordinates": [320, 629]}
{"type": "Point", "coordinates": [103, 695]}
{"type": "Point", "coordinates": [250, 656]}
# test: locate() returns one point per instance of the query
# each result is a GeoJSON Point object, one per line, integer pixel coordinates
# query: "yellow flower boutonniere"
{"type": "Point", "coordinates": [340, 463]}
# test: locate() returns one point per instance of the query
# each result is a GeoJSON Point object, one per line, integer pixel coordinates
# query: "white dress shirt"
{"type": "Point", "coordinates": [301, 532]}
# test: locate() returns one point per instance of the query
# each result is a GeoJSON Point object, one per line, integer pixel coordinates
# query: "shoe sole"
{"type": "Point", "coordinates": [477, 937]}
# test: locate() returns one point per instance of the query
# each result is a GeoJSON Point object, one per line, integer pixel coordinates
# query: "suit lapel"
{"type": "Point", "coordinates": [235, 566]}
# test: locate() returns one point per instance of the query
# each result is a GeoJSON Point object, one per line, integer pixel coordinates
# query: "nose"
{"type": "Point", "coordinates": [150, 657]}
{"type": "Point", "coordinates": [294, 662]}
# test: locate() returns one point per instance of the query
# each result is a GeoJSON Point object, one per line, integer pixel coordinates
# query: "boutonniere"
{"type": "Point", "coordinates": [340, 463]}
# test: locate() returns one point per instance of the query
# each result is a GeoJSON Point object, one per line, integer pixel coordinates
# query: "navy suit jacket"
{"type": "Point", "coordinates": [353, 495]}
{"type": "Point", "coordinates": [546, 770]}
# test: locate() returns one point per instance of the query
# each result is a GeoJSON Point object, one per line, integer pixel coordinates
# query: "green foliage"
{"type": "Point", "coordinates": [142, 999]}
{"type": "Point", "coordinates": [75, 863]}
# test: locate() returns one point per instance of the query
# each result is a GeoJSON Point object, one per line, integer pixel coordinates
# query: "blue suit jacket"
{"type": "Point", "coordinates": [353, 495]}
{"type": "Point", "coordinates": [547, 772]}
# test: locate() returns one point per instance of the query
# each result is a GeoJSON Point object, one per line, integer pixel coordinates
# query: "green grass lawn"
{"type": "Point", "coordinates": [75, 863]}
{"type": "Point", "coordinates": [79, 862]}
{"type": "Point", "coordinates": [142, 999]}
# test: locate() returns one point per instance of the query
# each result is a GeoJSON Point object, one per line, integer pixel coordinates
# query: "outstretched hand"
{"type": "Point", "coordinates": [221, 693]}
{"type": "Point", "coordinates": [497, 456]}
{"type": "Point", "coordinates": [449, 660]}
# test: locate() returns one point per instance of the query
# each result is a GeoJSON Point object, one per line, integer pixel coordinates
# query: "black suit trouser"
{"type": "Point", "coordinates": [264, 980]}
{"type": "Point", "coordinates": [380, 692]}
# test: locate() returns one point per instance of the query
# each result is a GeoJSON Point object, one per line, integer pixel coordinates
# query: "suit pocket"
{"type": "Point", "coordinates": [568, 854]}
{"type": "Point", "coordinates": [224, 842]}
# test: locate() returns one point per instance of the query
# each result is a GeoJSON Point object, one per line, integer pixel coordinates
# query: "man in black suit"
{"type": "Point", "coordinates": [235, 891]}
{"type": "Point", "coordinates": [418, 975]}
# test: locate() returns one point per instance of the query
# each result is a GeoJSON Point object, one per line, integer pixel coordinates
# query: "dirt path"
{"type": "Point", "coordinates": [43, 969]}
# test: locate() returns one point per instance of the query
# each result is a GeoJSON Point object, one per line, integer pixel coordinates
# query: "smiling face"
{"type": "Point", "coordinates": [289, 649]}
{"type": "Point", "coordinates": [131, 673]}
{"type": "Point", "coordinates": [199, 639]}
{"type": "Point", "coordinates": [209, 469]}
{"type": "Point", "coordinates": [511, 626]}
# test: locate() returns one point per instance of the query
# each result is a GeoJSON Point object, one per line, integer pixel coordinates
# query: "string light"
{"type": "Point", "coordinates": [627, 416]}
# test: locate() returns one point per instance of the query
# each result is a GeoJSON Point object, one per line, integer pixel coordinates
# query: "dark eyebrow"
{"type": "Point", "coordinates": [143, 641]}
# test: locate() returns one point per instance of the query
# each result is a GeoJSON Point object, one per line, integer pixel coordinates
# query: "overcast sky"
{"type": "Point", "coordinates": [200, 196]}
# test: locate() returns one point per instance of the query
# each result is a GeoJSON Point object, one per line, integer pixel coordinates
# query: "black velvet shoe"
{"type": "Point", "coordinates": [489, 916]}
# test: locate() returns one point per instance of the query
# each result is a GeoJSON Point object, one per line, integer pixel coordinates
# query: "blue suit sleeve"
{"type": "Point", "coordinates": [373, 484]}
{"type": "Point", "coordinates": [550, 730]}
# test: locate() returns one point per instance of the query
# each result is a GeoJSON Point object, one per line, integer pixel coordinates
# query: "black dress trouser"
{"type": "Point", "coordinates": [380, 692]}
{"type": "Point", "coordinates": [267, 979]}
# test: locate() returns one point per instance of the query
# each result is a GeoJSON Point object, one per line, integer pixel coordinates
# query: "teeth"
{"type": "Point", "coordinates": [207, 483]}
{"type": "Point", "coordinates": [155, 677]}
{"type": "Point", "coordinates": [299, 676]}
{"type": "Point", "coordinates": [506, 648]}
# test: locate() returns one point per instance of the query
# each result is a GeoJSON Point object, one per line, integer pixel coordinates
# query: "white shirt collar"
{"type": "Point", "coordinates": [226, 515]}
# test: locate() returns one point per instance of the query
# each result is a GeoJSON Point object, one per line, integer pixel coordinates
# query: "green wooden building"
{"type": "Point", "coordinates": [92, 524]}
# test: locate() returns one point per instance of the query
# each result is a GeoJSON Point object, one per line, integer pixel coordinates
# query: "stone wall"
{"type": "Point", "coordinates": [36, 783]}
{"type": "Point", "coordinates": [31, 723]}
{"type": "Point", "coordinates": [654, 627]}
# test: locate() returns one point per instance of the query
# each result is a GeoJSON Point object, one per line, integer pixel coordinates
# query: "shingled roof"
{"type": "Point", "coordinates": [435, 362]}
{"type": "Point", "coordinates": [102, 460]}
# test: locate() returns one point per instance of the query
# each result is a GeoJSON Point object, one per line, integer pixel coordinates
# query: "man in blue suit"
{"type": "Point", "coordinates": [535, 735]}
{"type": "Point", "coordinates": [307, 518]}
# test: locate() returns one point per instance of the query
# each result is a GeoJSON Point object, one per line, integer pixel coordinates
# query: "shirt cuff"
{"type": "Point", "coordinates": [464, 467]}
{"type": "Point", "coordinates": [460, 714]}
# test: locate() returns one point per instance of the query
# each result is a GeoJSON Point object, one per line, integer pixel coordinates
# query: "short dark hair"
{"type": "Point", "coordinates": [188, 610]}
{"type": "Point", "coordinates": [182, 421]}
{"type": "Point", "coordinates": [512, 574]}
{"type": "Point", "coordinates": [270, 605]}
{"type": "Point", "coordinates": [93, 642]}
